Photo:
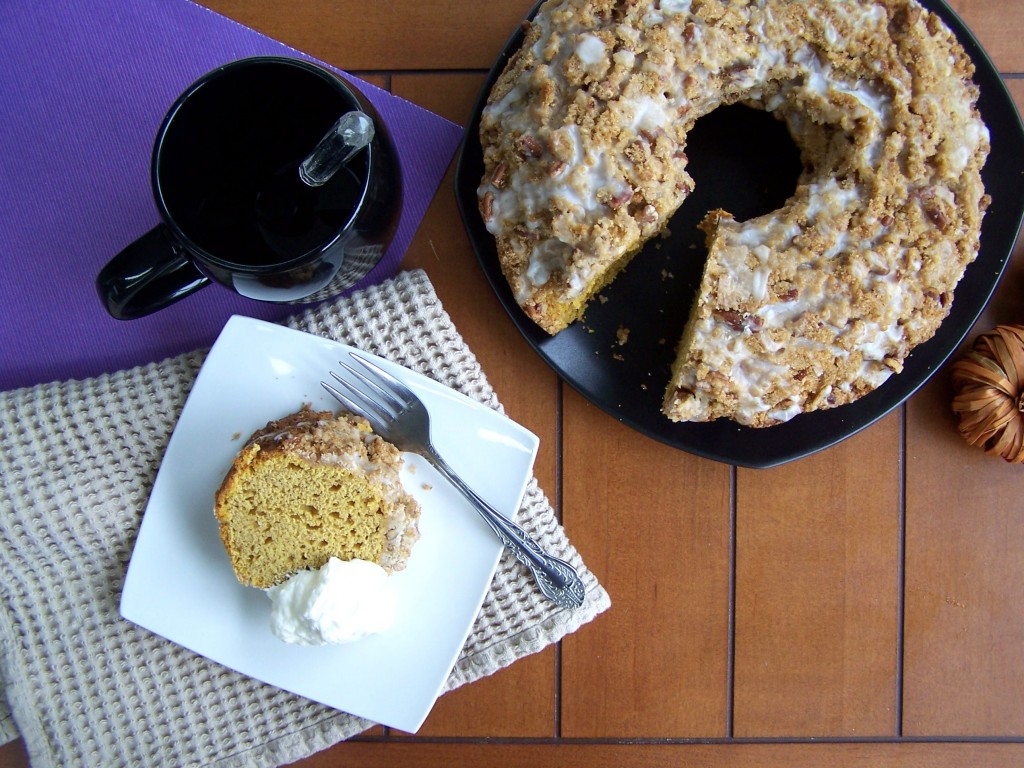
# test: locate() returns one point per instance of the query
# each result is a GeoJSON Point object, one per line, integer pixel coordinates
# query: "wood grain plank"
{"type": "Point", "coordinates": [817, 591]}
{"type": "Point", "coordinates": [13, 754]}
{"type": "Point", "coordinates": [388, 35]}
{"type": "Point", "coordinates": [862, 755]}
{"type": "Point", "coordinates": [516, 702]}
{"type": "Point", "coordinates": [999, 27]}
{"type": "Point", "coordinates": [519, 701]}
{"type": "Point", "coordinates": [654, 525]}
{"type": "Point", "coordinates": [964, 627]}
{"type": "Point", "coordinates": [450, 94]}
{"type": "Point", "coordinates": [407, 35]}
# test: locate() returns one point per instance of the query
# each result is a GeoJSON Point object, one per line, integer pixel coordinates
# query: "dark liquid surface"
{"type": "Point", "coordinates": [229, 166]}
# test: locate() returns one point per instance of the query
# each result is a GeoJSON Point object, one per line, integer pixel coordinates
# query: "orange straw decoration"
{"type": "Point", "coordinates": [989, 400]}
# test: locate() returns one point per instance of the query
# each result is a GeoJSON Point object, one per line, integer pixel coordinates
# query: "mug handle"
{"type": "Point", "coordinates": [148, 275]}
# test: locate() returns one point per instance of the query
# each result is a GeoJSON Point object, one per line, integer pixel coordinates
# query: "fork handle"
{"type": "Point", "coordinates": [557, 580]}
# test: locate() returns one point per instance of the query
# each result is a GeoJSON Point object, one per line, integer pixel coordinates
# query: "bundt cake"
{"type": "Point", "coordinates": [810, 306]}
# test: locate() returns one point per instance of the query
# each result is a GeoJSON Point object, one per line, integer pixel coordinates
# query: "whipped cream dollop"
{"type": "Point", "coordinates": [345, 600]}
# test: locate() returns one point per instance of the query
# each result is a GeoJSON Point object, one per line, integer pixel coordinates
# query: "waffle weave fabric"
{"type": "Point", "coordinates": [83, 686]}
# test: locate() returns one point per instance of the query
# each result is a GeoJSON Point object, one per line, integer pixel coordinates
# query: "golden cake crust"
{"type": "Point", "coordinates": [311, 486]}
{"type": "Point", "coordinates": [811, 306]}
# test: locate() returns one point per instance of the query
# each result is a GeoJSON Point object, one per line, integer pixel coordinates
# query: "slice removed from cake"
{"type": "Point", "coordinates": [311, 486]}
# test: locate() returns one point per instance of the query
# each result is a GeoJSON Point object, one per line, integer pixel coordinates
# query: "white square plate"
{"type": "Point", "coordinates": [180, 584]}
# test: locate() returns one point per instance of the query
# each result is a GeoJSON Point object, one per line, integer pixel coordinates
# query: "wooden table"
{"type": "Point", "coordinates": [859, 607]}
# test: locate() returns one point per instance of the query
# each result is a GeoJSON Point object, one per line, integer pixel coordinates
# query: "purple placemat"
{"type": "Point", "coordinates": [84, 89]}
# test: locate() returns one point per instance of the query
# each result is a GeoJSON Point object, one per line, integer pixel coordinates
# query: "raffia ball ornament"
{"type": "Point", "coordinates": [989, 400]}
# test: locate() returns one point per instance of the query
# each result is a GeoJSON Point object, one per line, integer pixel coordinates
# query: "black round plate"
{"type": "Point", "coordinates": [743, 161]}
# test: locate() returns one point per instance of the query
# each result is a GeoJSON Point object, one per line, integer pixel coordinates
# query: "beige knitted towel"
{"type": "Point", "coordinates": [78, 458]}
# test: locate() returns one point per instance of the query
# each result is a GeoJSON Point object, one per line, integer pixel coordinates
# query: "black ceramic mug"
{"type": "Point", "coordinates": [225, 180]}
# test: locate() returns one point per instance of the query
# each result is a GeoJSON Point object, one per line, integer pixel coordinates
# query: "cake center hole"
{"type": "Point", "coordinates": [742, 160]}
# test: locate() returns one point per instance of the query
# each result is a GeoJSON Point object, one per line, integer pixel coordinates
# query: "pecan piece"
{"type": "Point", "coordinates": [487, 206]}
{"type": "Point", "coordinates": [936, 215]}
{"type": "Point", "coordinates": [620, 199]}
{"type": "Point", "coordinates": [651, 137]}
{"type": "Point", "coordinates": [740, 321]}
{"type": "Point", "coordinates": [789, 295]}
{"type": "Point", "coordinates": [529, 146]}
{"type": "Point", "coordinates": [931, 207]}
{"type": "Point", "coordinates": [646, 215]}
{"type": "Point", "coordinates": [500, 176]}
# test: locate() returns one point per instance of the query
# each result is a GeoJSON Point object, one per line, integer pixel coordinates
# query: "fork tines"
{"type": "Point", "coordinates": [378, 381]}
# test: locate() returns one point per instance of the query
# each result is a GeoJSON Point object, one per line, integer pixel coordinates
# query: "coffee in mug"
{"type": "Point", "coordinates": [234, 208]}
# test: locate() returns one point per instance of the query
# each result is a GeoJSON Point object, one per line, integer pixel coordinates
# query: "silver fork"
{"type": "Point", "coordinates": [398, 416]}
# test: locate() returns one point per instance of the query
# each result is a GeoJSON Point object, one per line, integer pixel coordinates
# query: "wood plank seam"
{"type": "Point", "coordinates": [688, 741]}
{"type": "Point", "coordinates": [559, 447]}
{"type": "Point", "coordinates": [901, 566]}
{"type": "Point", "coordinates": [731, 628]}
